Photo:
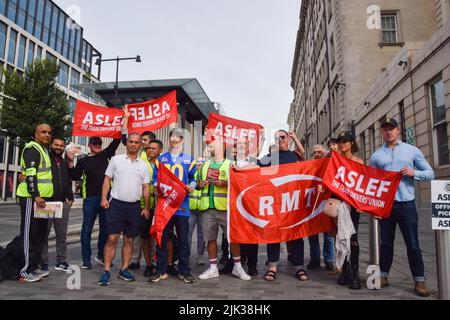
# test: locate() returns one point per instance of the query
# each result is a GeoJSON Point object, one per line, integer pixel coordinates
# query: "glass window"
{"type": "Point", "coordinates": [30, 54]}
{"type": "Point", "coordinates": [47, 20]}
{"type": "Point", "coordinates": [49, 56]}
{"type": "Point", "coordinates": [2, 7]}
{"type": "Point", "coordinates": [2, 39]}
{"type": "Point", "coordinates": [60, 37]}
{"type": "Point", "coordinates": [389, 28]}
{"type": "Point", "coordinates": [63, 77]}
{"type": "Point", "coordinates": [2, 149]}
{"type": "Point", "coordinates": [12, 10]}
{"type": "Point", "coordinates": [22, 13]}
{"type": "Point", "coordinates": [38, 53]}
{"type": "Point", "coordinates": [21, 57]}
{"type": "Point", "coordinates": [74, 77]}
{"type": "Point", "coordinates": [31, 15]}
{"type": "Point", "coordinates": [12, 46]}
{"type": "Point", "coordinates": [437, 89]}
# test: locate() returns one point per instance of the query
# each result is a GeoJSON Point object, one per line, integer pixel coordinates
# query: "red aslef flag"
{"type": "Point", "coordinates": [171, 194]}
{"type": "Point", "coordinates": [94, 121]}
{"type": "Point", "coordinates": [367, 189]}
{"type": "Point", "coordinates": [278, 204]}
{"type": "Point", "coordinates": [231, 130]}
{"type": "Point", "coordinates": [153, 115]}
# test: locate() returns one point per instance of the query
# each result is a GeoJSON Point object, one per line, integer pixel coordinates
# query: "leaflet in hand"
{"type": "Point", "coordinates": [52, 210]}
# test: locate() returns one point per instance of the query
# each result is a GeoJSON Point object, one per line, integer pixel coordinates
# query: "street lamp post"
{"type": "Point", "coordinates": [118, 59]}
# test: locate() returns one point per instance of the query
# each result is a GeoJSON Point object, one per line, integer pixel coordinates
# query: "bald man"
{"type": "Point", "coordinates": [34, 191]}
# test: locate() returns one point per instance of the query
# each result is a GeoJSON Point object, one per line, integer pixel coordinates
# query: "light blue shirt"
{"type": "Point", "coordinates": [403, 155]}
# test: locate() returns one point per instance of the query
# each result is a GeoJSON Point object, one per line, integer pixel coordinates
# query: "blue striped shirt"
{"type": "Point", "coordinates": [403, 155]}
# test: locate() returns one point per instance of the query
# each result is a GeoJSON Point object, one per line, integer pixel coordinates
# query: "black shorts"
{"type": "Point", "coordinates": [146, 225]}
{"type": "Point", "coordinates": [123, 217]}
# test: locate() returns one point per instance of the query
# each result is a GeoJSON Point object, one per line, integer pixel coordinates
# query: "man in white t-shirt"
{"type": "Point", "coordinates": [131, 178]}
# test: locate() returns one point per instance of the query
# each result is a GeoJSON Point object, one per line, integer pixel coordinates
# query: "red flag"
{"type": "Point", "coordinates": [93, 121]}
{"type": "Point", "coordinates": [278, 204]}
{"type": "Point", "coordinates": [232, 129]}
{"type": "Point", "coordinates": [171, 194]}
{"type": "Point", "coordinates": [367, 189]}
{"type": "Point", "coordinates": [153, 115]}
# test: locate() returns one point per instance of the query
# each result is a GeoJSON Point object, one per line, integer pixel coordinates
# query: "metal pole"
{"type": "Point", "coordinates": [374, 241]}
{"type": "Point", "coordinates": [443, 263]}
{"type": "Point", "coordinates": [116, 91]}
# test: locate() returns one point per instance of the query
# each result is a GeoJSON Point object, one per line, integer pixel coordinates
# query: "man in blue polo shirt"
{"type": "Point", "coordinates": [397, 156]}
{"type": "Point", "coordinates": [183, 166]}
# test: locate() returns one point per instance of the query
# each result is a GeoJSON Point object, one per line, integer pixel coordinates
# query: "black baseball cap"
{"type": "Point", "coordinates": [389, 122]}
{"type": "Point", "coordinates": [95, 141]}
{"type": "Point", "coordinates": [345, 136]}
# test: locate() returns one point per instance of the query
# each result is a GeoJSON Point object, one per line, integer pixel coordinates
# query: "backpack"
{"type": "Point", "coordinates": [9, 260]}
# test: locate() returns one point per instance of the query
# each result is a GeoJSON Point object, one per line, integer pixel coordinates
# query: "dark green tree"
{"type": "Point", "coordinates": [32, 99]}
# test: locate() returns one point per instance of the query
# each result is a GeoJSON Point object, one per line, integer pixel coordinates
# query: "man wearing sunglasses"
{"type": "Point", "coordinates": [283, 155]}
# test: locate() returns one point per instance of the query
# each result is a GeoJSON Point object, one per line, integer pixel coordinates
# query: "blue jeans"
{"type": "Point", "coordinates": [195, 221]}
{"type": "Point", "coordinates": [405, 215]}
{"type": "Point", "coordinates": [328, 248]}
{"type": "Point", "coordinates": [92, 209]}
{"type": "Point", "coordinates": [182, 228]}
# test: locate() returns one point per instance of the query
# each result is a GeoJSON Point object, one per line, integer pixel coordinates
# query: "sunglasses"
{"type": "Point", "coordinates": [280, 138]}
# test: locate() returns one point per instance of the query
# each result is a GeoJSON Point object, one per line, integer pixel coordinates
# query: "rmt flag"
{"type": "Point", "coordinates": [171, 194]}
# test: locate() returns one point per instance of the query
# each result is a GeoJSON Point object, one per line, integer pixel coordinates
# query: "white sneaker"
{"type": "Point", "coordinates": [42, 273]}
{"type": "Point", "coordinates": [209, 274]}
{"type": "Point", "coordinates": [200, 261]}
{"type": "Point", "coordinates": [31, 277]}
{"type": "Point", "coordinates": [241, 274]}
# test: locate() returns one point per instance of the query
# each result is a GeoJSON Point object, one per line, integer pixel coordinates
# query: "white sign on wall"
{"type": "Point", "coordinates": [440, 202]}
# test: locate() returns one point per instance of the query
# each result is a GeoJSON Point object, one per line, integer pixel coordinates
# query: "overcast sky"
{"type": "Point", "coordinates": [240, 51]}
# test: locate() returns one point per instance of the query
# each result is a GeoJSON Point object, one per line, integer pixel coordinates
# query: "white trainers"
{"type": "Point", "coordinates": [209, 274]}
{"type": "Point", "coordinates": [31, 277]}
{"type": "Point", "coordinates": [241, 274]}
{"type": "Point", "coordinates": [200, 261]}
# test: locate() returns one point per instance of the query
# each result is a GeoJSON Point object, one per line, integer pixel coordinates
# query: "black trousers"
{"type": "Point", "coordinates": [33, 234]}
{"type": "Point", "coordinates": [251, 252]}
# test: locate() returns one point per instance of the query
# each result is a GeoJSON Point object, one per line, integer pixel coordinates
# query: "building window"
{"type": "Point", "coordinates": [74, 77]}
{"type": "Point", "coordinates": [389, 27]}
{"type": "Point", "coordinates": [2, 149]}
{"type": "Point", "coordinates": [50, 57]}
{"type": "Point", "coordinates": [373, 143]}
{"type": "Point", "coordinates": [63, 77]}
{"type": "Point", "coordinates": [2, 7]}
{"type": "Point", "coordinates": [31, 15]}
{"type": "Point", "coordinates": [437, 94]}
{"type": "Point", "coordinates": [21, 15]}
{"type": "Point", "coordinates": [12, 46]}
{"type": "Point", "coordinates": [30, 54]}
{"type": "Point", "coordinates": [362, 145]}
{"type": "Point", "coordinates": [12, 10]}
{"type": "Point", "coordinates": [2, 39]}
{"type": "Point", "coordinates": [21, 58]}
{"type": "Point", "coordinates": [38, 53]}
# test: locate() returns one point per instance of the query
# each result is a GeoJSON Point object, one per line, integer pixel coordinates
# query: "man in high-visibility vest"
{"type": "Point", "coordinates": [34, 191]}
{"type": "Point", "coordinates": [194, 219]}
{"type": "Point", "coordinates": [213, 181]}
{"type": "Point", "coordinates": [153, 151]}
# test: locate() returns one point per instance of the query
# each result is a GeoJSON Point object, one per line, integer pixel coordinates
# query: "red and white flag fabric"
{"type": "Point", "coordinates": [153, 115]}
{"type": "Point", "coordinates": [278, 204]}
{"type": "Point", "coordinates": [367, 189]}
{"type": "Point", "coordinates": [93, 121]}
{"type": "Point", "coordinates": [231, 130]}
{"type": "Point", "coordinates": [171, 194]}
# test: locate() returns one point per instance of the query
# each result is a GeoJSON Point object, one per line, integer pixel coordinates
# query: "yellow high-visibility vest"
{"type": "Point", "coordinates": [43, 173]}
{"type": "Point", "coordinates": [152, 194]}
{"type": "Point", "coordinates": [220, 194]}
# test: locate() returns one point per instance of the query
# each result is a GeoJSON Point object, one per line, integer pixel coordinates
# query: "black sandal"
{"type": "Point", "coordinates": [302, 275]}
{"type": "Point", "coordinates": [272, 274]}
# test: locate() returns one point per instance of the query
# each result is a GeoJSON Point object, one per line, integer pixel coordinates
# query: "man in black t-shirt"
{"type": "Point", "coordinates": [282, 155]}
{"type": "Point", "coordinates": [92, 169]}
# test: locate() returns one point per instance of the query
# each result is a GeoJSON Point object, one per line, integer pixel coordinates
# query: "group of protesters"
{"type": "Point", "coordinates": [121, 192]}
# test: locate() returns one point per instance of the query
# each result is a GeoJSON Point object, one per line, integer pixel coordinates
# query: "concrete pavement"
{"type": "Point", "coordinates": [322, 285]}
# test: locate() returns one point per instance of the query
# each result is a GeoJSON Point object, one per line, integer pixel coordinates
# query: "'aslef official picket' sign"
{"type": "Point", "coordinates": [93, 121]}
{"type": "Point", "coordinates": [153, 115]}
{"type": "Point", "coordinates": [440, 201]}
